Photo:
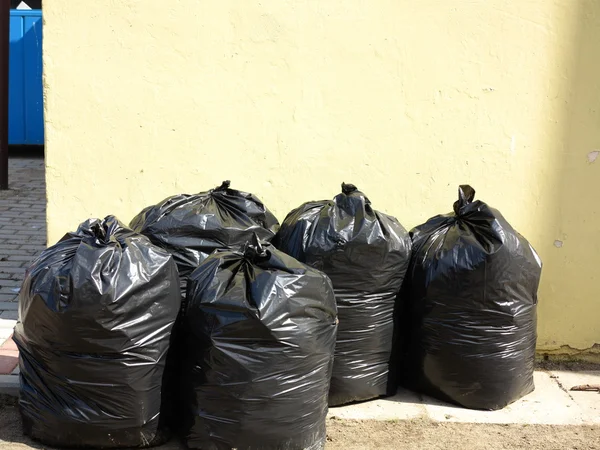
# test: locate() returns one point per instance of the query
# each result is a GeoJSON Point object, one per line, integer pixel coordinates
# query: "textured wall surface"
{"type": "Point", "coordinates": [287, 99]}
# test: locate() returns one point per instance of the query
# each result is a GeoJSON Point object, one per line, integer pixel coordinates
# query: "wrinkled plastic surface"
{"type": "Point", "coordinates": [260, 332]}
{"type": "Point", "coordinates": [96, 312]}
{"type": "Point", "coordinates": [191, 227]}
{"type": "Point", "coordinates": [366, 254]}
{"type": "Point", "coordinates": [470, 301]}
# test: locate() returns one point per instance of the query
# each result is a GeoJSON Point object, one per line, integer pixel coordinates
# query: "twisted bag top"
{"type": "Point", "coordinates": [259, 335]}
{"type": "Point", "coordinates": [470, 307]}
{"type": "Point", "coordinates": [360, 249]}
{"type": "Point", "coordinates": [191, 227]}
{"type": "Point", "coordinates": [366, 254]}
{"type": "Point", "coordinates": [96, 312]}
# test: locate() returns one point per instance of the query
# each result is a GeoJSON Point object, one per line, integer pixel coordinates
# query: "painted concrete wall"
{"type": "Point", "coordinates": [289, 98]}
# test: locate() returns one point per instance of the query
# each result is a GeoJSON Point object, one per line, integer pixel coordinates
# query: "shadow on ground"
{"type": "Point", "coordinates": [11, 432]}
{"type": "Point", "coordinates": [416, 434]}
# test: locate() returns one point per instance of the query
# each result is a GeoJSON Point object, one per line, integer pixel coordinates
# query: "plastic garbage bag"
{"type": "Point", "coordinates": [95, 317]}
{"type": "Point", "coordinates": [259, 331]}
{"type": "Point", "coordinates": [191, 227]}
{"type": "Point", "coordinates": [470, 301]}
{"type": "Point", "coordinates": [366, 254]}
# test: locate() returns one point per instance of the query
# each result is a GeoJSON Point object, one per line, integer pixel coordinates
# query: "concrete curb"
{"type": "Point", "coordinates": [9, 385]}
{"type": "Point", "coordinates": [550, 404]}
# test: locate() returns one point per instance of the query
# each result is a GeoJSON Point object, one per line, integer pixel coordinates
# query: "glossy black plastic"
{"type": "Point", "coordinates": [95, 317]}
{"type": "Point", "coordinates": [366, 254]}
{"type": "Point", "coordinates": [191, 227]}
{"type": "Point", "coordinates": [259, 333]}
{"type": "Point", "coordinates": [469, 308]}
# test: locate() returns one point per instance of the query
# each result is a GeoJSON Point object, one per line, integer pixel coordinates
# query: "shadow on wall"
{"type": "Point", "coordinates": [571, 233]}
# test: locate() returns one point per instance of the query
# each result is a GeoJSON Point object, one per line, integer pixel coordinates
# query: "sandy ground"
{"type": "Point", "coordinates": [409, 435]}
{"type": "Point", "coordinates": [427, 435]}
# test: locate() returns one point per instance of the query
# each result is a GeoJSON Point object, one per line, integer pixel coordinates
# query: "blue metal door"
{"type": "Point", "coordinates": [25, 98]}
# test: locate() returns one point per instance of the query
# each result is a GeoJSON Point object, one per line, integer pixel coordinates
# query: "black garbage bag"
{"type": "Point", "coordinates": [470, 299]}
{"type": "Point", "coordinates": [95, 317]}
{"type": "Point", "coordinates": [191, 227]}
{"type": "Point", "coordinates": [366, 254]}
{"type": "Point", "coordinates": [259, 332]}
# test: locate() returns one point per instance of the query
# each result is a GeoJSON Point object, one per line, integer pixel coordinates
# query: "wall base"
{"type": "Point", "coordinates": [568, 354]}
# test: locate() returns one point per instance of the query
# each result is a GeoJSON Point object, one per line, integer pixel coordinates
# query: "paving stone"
{"type": "Point", "coordinates": [9, 236]}
{"type": "Point", "coordinates": [4, 262]}
{"type": "Point", "coordinates": [6, 246]}
{"type": "Point", "coordinates": [18, 251]}
{"type": "Point", "coordinates": [9, 359]}
{"type": "Point", "coordinates": [5, 332]}
{"type": "Point", "coordinates": [35, 248]}
{"type": "Point", "coordinates": [14, 238]}
{"type": "Point", "coordinates": [12, 270]}
{"type": "Point", "coordinates": [9, 385]}
{"type": "Point", "coordinates": [10, 315]}
{"type": "Point", "coordinates": [20, 257]}
{"type": "Point", "coordinates": [10, 292]}
{"type": "Point", "coordinates": [28, 231]}
{"type": "Point", "coordinates": [22, 227]}
{"type": "Point", "coordinates": [9, 344]}
{"type": "Point", "coordinates": [9, 306]}
{"type": "Point", "coordinates": [7, 323]}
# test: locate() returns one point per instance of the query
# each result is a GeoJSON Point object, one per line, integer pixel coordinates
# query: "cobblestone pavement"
{"type": "Point", "coordinates": [22, 238]}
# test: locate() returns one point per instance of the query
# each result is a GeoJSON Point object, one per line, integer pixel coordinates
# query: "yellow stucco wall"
{"type": "Point", "coordinates": [289, 98]}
